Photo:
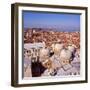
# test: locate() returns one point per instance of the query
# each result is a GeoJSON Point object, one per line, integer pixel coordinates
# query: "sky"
{"type": "Point", "coordinates": [60, 21]}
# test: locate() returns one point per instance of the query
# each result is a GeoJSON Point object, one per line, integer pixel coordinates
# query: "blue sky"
{"type": "Point", "coordinates": [61, 21]}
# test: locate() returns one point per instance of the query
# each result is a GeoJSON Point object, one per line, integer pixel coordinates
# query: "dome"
{"type": "Point", "coordinates": [71, 48]}
{"type": "Point", "coordinates": [65, 54]}
{"type": "Point", "coordinates": [44, 52]}
{"type": "Point", "coordinates": [57, 47]}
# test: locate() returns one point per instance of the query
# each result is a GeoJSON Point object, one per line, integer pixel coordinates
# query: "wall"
{"type": "Point", "coordinates": [5, 44]}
